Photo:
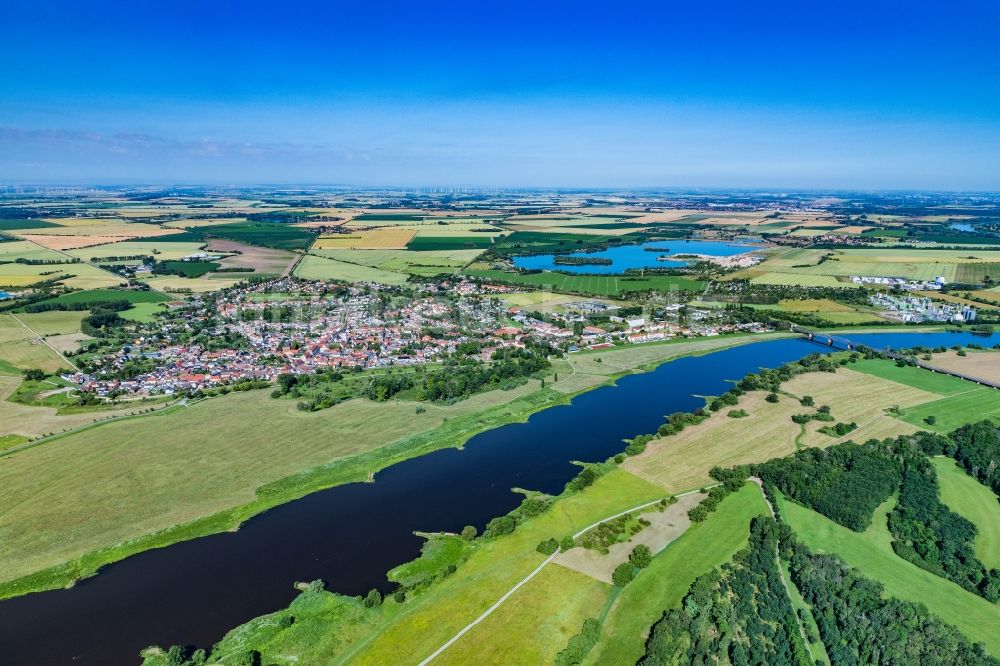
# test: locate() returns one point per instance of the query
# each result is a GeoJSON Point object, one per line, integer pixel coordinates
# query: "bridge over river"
{"type": "Point", "coordinates": [837, 342]}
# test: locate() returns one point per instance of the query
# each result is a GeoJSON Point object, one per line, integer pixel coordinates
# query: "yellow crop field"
{"type": "Point", "coordinates": [375, 239]}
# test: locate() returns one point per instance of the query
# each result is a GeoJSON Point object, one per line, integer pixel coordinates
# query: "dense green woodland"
{"type": "Point", "coordinates": [847, 482]}
{"type": "Point", "coordinates": [738, 614]}
{"type": "Point", "coordinates": [858, 625]}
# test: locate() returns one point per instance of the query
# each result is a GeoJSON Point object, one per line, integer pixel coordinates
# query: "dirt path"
{"type": "Point", "coordinates": [665, 527]}
{"type": "Point", "coordinates": [534, 573]}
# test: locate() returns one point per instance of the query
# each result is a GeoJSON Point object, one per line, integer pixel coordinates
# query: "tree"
{"type": "Point", "coordinates": [930, 420]}
{"type": "Point", "coordinates": [469, 532]}
{"type": "Point", "coordinates": [566, 543]}
{"type": "Point", "coordinates": [374, 599]}
{"type": "Point", "coordinates": [641, 556]}
{"type": "Point", "coordinates": [772, 397]}
{"type": "Point", "coordinates": [807, 401]}
{"type": "Point", "coordinates": [623, 574]}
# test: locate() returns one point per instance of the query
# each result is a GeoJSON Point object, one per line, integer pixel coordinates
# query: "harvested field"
{"type": "Point", "coordinates": [161, 250]}
{"type": "Point", "coordinates": [30, 421]}
{"type": "Point", "coordinates": [253, 257]}
{"type": "Point", "coordinates": [106, 228]}
{"type": "Point", "coordinates": [73, 242]}
{"type": "Point", "coordinates": [682, 461]}
{"type": "Point", "coordinates": [197, 224]}
{"type": "Point", "coordinates": [199, 285]}
{"type": "Point", "coordinates": [666, 526]}
{"type": "Point", "coordinates": [376, 239]}
{"type": "Point", "coordinates": [855, 397]}
{"type": "Point", "coordinates": [983, 365]}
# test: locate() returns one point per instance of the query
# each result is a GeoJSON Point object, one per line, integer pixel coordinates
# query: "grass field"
{"type": "Point", "coordinates": [598, 285]}
{"type": "Point", "coordinates": [839, 313]}
{"type": "Point", "coordinates": [142, 312]}
{"type": "Point", "coordinates": [794, 279]}
{"type": "Point", "coordinates": [424, 241]}
{"type": "Point", "coordinates": [976, 273]}
{"type": "Point", "coordinates": [872, 553]}
{"type": "Point", "coordinates": [494, 568]}
{"type": "Point", "coordinates": [313, 267]}
{"type": "Point", "coordinates": [662, 586]}
{"type": "Point", "coordinates": [14, 250]}
{"type": "Point", "coordinates": [915, 264]}
{"type": "Point", "coordinates": [21, 348]}
{"type": "Point", "coordinates": [911, 376]}
{"type": "Point", "coordinates": [96, 295]}
{"type": "Point", "coordinates": [955, 411]}
{"type": "Point", "coordinates": [76, 275]}
{"type": "Point", "coordinates": [405, 261]}
{"type": "Point", "coordinates": [974, 502]}
{"type": "Point", "coordinates": [682, 461]}
{"type": "Point", "coordinates": [53, 322]}
{"type": "Point", "coordinates": [148, 482]}
{"type": "Point", "coordinates": [535, 624]}
{"type": "Point", "coordinates": [30, 421]}
{"type": "Point", "coordinates": [191, 269]}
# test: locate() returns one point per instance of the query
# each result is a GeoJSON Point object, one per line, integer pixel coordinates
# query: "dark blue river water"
{"type": "Point", "coordinates": [351, 535]}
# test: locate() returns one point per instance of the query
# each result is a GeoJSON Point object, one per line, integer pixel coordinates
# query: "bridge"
{"type": "Point", "coordinates": [834, 341]}
{"type": "Point", "coordinates": [837, 342]}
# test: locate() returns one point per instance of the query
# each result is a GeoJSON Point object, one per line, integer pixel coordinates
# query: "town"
{"type": "Point", "coordinates": [257, 332]}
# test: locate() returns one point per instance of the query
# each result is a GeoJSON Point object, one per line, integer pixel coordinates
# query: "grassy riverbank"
{"type": "Point", "coordinates": [78, 502]}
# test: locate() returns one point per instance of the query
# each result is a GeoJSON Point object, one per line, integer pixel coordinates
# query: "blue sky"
{"type": "Point", "coordinates": [718, 94]}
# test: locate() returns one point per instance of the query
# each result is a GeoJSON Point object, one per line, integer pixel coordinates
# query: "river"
{"type": "Point", "coordinates": [350, 536]}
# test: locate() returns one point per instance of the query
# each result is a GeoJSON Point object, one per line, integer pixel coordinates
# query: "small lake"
{"type": "Point", "coordinates": [961, 226]}
{"type": "Point", "coordinates": [195, 591]}
{"type": "Point", "coordinates": [624, 257]}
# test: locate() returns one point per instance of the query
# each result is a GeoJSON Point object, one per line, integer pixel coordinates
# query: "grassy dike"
{"type": "Point", "coordinates": [453, 432]}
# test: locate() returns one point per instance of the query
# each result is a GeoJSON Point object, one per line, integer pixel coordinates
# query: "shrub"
{"type": "Point", "coordinates": [500, 526]}
{"type": "Point", "coordinates": [623, 574]}
{"type": "Point", "coordinates": [772, 397]}
{"type": "Point", "coordinates": [641, 556]}
{"type": "Point", "coordinates": [547, 547]}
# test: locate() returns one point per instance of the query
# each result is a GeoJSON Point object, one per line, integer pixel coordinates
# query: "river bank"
{"type": "Point", "coordinates": [453, 431]}
{"type": "Point", "coordinates": [352, 534]}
